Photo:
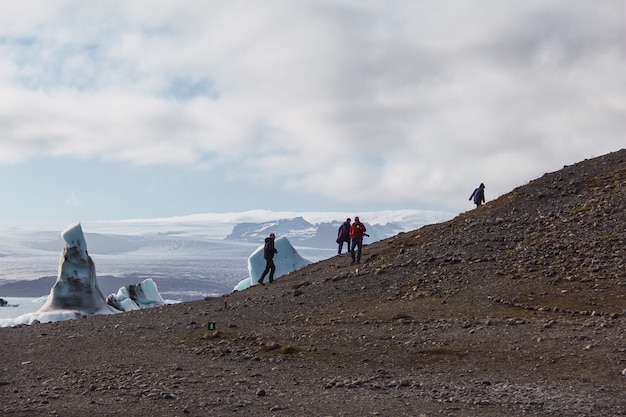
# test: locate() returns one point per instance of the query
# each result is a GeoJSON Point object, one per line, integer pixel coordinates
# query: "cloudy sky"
{"type": "Point", "coordinates": [141, 109]}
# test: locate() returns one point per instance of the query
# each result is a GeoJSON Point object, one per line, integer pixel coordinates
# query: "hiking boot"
{"type": "Point", "coordinates": [260, 282]}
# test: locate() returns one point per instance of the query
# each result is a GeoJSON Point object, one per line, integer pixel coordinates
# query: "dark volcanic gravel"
{"type": "Point", "coordinates": [513, 309]}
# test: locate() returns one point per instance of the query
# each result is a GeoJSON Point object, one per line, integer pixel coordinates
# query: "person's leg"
{"type": "Point", "coordinates": [340, 247]}
{"type": "Point", "coordinates": [272, 267]}
{"type": "Point", "coordinates": [353, 244]}
{"type": "Point", "coordinates": [265, 271]}
{"type": "Point", "coordinates": [359, 244]}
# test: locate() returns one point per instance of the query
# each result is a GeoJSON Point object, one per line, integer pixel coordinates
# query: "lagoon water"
{"type": "Point", "coordinates": [180, 275]}
{"type": "Point", "coordinates": [187, 262]}
{"type": "Point", "coordinates": [20, 305]}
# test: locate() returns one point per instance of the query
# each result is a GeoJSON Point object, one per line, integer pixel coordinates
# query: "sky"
{"type": "Point", "coordinates": [140, 109]}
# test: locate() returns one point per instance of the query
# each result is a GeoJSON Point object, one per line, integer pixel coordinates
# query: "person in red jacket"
{"type": "Point", "coordinates": [357, 231]}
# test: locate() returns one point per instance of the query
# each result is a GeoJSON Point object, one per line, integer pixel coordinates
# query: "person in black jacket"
{"type": "Point", "coordinates": [479, 195]}
{"type": "Point", "coordinates": [343, 235]}
{"type": "Point", "coordinates": [268, 253]}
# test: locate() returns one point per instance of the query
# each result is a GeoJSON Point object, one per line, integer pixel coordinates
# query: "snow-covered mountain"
{"type": "Point", "coordinates": [32, 250]}
{"type": "Point", "coordinates": [303, 233]}
{"type": "Point", "coordinates": [244, 225]}
{"type": "Point", "coordinates": [187, 256]}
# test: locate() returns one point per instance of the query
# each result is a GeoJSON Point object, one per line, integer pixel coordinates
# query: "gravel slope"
{"type": "Point", "coordinates": [516, 308]}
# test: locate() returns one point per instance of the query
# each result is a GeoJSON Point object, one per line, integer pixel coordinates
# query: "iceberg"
{"type": "Point", "coordinates": [286, 260]}
{"type": "Point", "coordinates": [136, 296]}
{"type": "Point", "coordinates": [76, 289]}
{"type": "Point", "coordinates": [76, 292]}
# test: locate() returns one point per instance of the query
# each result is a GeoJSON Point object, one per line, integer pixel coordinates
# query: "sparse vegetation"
{"type": "Point", "coordinates": [289, 350]}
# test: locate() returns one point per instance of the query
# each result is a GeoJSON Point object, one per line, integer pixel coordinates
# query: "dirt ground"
{"type": "Point", "coordinates": [513, 309]}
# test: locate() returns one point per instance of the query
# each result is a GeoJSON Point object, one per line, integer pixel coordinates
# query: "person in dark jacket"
{"type": "Point", "coordinates": [357, 231]}
{"type": "Point", "coordinates": [343, 235]}
{"type": "Point", "coordinates": [479, 195]}
{"type": "Point", "coordinates": [268, 254]}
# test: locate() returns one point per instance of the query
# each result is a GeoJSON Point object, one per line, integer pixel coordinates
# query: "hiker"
{"type": "Point", "coordinates": [479, 195]}
{"type": "Point", "coordinates": [343, 235]}
{"type": "Point", "coordinates": [268, 254]}
{"type": "Point", "coordinates": [357, 231]}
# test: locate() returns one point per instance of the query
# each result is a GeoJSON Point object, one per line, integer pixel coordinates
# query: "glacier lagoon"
{"type": "Point", "coordinates": [183, 269]}
{"type": "Point", "coordinates": [188, 257]}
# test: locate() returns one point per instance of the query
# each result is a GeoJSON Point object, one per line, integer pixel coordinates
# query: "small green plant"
{"type": "Point", "coordinates": [596, 182]}
{"type": "Point", "coordinates": [353, 298]}
{"type": "Point", "coordinates": [289, 350]}
{"type": "Point", "coordinates": [202, 338]}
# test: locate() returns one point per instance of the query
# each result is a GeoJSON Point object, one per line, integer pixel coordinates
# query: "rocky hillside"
{"type": "Point", "coordinates": [557, 243]}
{"type": "Point", "coordinates": [515, 308]}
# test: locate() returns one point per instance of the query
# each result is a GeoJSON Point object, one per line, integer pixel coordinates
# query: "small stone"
{"type": "Point", "coordinates": [260, 393]}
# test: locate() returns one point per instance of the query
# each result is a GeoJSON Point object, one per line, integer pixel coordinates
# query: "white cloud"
{"type": "Point", "coordinates": [399, 101]}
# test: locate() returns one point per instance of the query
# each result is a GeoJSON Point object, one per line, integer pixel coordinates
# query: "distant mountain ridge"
{"type": "Point", "coordinates": [301, 232]}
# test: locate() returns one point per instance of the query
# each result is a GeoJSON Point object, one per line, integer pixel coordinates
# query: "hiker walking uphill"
{"type": "Point", "coordinates": [343, 235]}
{"type": "Point", "coordinates": [479, 195]}
{"type": "Point", "coordinates": [268, 253]}
{"type": "Point", "coordinates": [357, 231]}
